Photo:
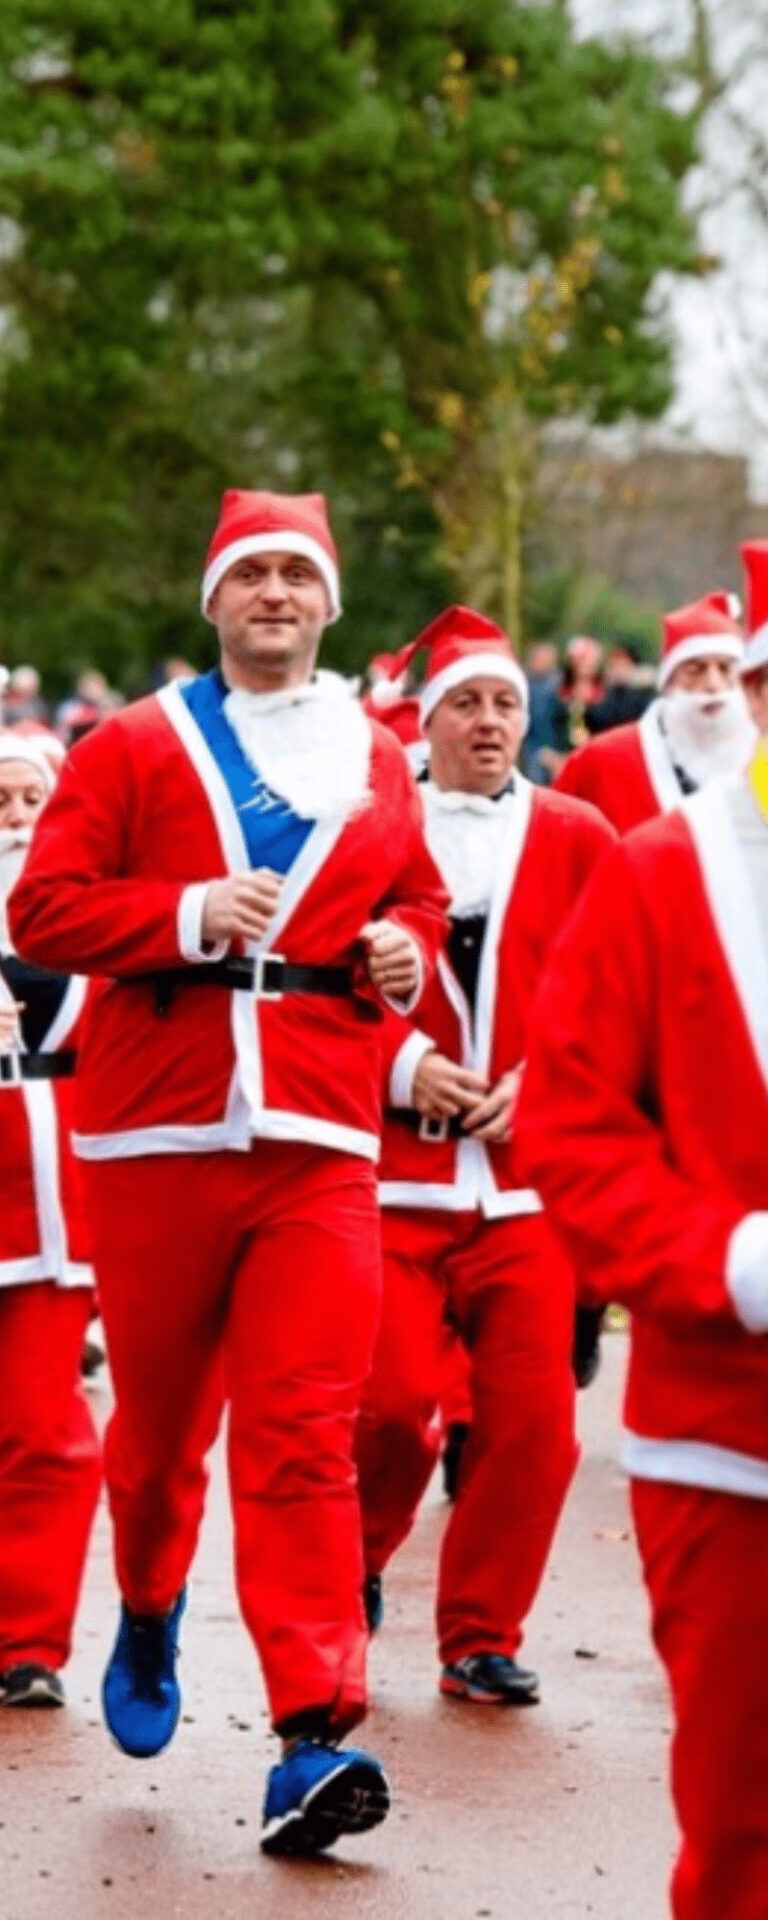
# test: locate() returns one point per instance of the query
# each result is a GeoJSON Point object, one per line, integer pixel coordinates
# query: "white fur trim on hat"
{"type": "Point", "coordinates": [756, 650]}
{"type": "Point", "coordinates": [471, 667]}
{"type": "Point", "coordinates": [726, 646]}
{"type": "Point", "coordinates": [286, 542]}
{"type": "Point", "coordinates": [15, 746]}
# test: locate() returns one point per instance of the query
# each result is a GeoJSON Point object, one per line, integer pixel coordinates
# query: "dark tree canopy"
{"type": "Point", "coordinates": [369, 247]}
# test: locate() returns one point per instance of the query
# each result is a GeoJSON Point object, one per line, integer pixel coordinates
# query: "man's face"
{"type": "Point", "coordinates": [542, 658]}
{"type": "Point", "coordinates": [714, 674]}
{"type": "Point", "coordinates": [475, 734]}
{"type": "Point", "coordinates": [23, 794]}
{"type": "Point", "coordinates": [270, 610]}
{"type": "Point", "coordinates": [756, 689]}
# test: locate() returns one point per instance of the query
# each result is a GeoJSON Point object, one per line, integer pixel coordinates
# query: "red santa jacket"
{"type": "Point", "coordinates": [140, 820]}
{"type": "Point", "coordinates": [626, 772]}
{"type": "Point", "coordinates": [644, 1119]}
{"type": "Point", "coordinates": [550, 848]}
{"type": "Point", "coordinates": [43, 1233]}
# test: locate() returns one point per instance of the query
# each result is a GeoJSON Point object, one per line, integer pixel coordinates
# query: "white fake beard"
{"type": "Point", "coordinates": [464, 833]}
{"type": "Point", "coordinates": [311, 744]}
{"type": "Point", "coordinates": [706, 742]}
{"type": "Point", "coordinates": [13, 852]}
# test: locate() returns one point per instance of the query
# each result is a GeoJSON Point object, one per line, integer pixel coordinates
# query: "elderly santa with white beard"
{"type": "Point", "coordinates": [461, 1229]}
{"type": "Point", "coordinates": [49, 1451]}
{"type": "Point", "coordinates": [244, 855]}
{"type": "Point", "coordinates": [644, 1119]}
{"type": "Point", "coordinates": [697, 728]}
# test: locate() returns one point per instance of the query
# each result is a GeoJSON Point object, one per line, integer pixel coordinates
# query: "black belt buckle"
{"type": "Point", "coordinates": [433, 1129]}
{"type": "Point", "coordinates": [267, 976]}
{"type": "Point", "coordinates": [10, 1069]}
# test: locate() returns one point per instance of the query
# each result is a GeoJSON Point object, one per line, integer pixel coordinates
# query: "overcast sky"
{"type": "Point", "coordinates": [721, 322]}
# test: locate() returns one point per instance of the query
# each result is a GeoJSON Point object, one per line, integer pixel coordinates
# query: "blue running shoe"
{"type": "Point", "coordinates": [319, 1792]}
{"type": "Point", "coordinates": [140, 1692]}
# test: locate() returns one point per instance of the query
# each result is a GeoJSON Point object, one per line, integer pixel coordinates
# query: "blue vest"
{"type": "Point", "coordinates": [273, 833]}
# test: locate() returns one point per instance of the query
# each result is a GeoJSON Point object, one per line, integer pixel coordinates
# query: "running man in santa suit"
{"type": "Point", "coordinates": [460, 1226]}
{"type": "Point", "coordinates": [50, 1459]}
{"type": "Point", "coordinates": [243, 855]}
{"type": "Point", "coordinates": [643, 1120]}
{"type": "Point", "coordinates": [698, 727]}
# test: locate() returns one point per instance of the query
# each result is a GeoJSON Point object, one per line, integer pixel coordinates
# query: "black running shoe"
{"type": "Point", "coordinates": [491, 1679]}
{"type": "Point", "coordinates": [373, 1601]}
{"type": "Point", "coordinates": [31, 1685]}
{"type": "Point", "coordinates": [587, 1329]}
{"type": "Point", "coordinates": [456, 1437]}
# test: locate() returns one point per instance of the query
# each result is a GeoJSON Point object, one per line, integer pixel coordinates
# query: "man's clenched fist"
{"type": "Point", "coordinates": [241, 906]}
{"type": "Point", "coordinates": [392, 959]}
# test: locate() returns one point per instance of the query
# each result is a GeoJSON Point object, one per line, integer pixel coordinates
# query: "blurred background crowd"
{"type": "Point", "coordinates": [577, 689]}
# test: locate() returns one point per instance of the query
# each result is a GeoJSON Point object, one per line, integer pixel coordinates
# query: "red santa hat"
{"type": "Point", "coordinates": [463, 645]}
{"type": "Point", "coordinates": [272, 523]}
{"type": "Point", "coordinates": [31, 751]}
{"type": "Point", "coordinates": [754, 554]}
{"type": "Point", "coordinates": [707, 626]}
{"type": "Point", "coordinates": [460, 645]}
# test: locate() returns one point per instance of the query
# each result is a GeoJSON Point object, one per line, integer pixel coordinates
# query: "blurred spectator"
{"type": "Point", "coordinates": [580, 687]}
{"type": "Point", "coordinates": [165, 671]}
{"type": "Point", "coordinates": [23, 699]}
{"type": "Point", "coordinates": [91, 701]}
{"type": "Point", "coordinates": [630, 686]}
{"type": "Point", "coordinates": [76, 719]}
{"type": "Point", "coordinates": [542, 668]}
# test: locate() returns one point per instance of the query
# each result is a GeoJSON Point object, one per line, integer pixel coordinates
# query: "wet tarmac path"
{"type": "Point", "coordinates": [553, 1813]}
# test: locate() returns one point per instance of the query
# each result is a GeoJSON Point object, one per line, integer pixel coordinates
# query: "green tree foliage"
{"type": "Point", "coordinates": [370, 245]}
{"type": "Point", "coordinates": [559, 601]}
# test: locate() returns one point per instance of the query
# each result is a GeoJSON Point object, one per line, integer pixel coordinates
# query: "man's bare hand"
{"type": "Point", "coordinates": [442, 1089]}
{"type": "Point", "coordinates": [9, 1026]}
{"type": "Point", "coordinates": [491, 1119]}
{"type": "Point", "coordinates": [241, 906]}
{"type": "Point", "coordinates": [391, 958]}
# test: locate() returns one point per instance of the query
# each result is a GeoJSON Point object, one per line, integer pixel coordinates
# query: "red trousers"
{"type": "Point", "coordinates": [510, 1292]}
{"type": "Point", "coordinates": [50, 1469]}
{"type": "Point", "coordinates": [705, 1561]}
{"type": "Point", "coordinates": [252, 1278]}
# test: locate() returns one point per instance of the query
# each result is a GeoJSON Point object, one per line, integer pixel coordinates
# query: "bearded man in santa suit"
{"type": "Point", "coordinates": [643, 1120]}
{"type": "Point", "coordinates": [698, 727]}
{"type": "Point", "coordinates": [243, 855]}
{"type": "Point", "coordinates": [461, 1229]}
{"type": "Point", "coordinates": [50, 1464]}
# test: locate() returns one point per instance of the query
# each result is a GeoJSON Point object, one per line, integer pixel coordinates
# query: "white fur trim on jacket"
{"type": "Point", "coordinates": [695, 1463]}
{"type": "Point", "coordinates": [746, 1272]}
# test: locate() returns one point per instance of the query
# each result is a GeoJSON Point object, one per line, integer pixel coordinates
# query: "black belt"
{"type": "Point", "coordinates": [434, 1130]}
{"type": "Point", "coordinates": [266, 976]}
{"type": "Point", "coordinates": [15, 1067]}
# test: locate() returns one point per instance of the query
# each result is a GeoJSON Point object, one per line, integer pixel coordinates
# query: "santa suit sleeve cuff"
{"type": "Point", "coordinates": [407, 1006]}
{"type": "Point", "coordinates": [746, 1272]}
{"type": "Point", "coordinates": [189, 926]}
{"type": "Point", "coordinates": [403, 1069]}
